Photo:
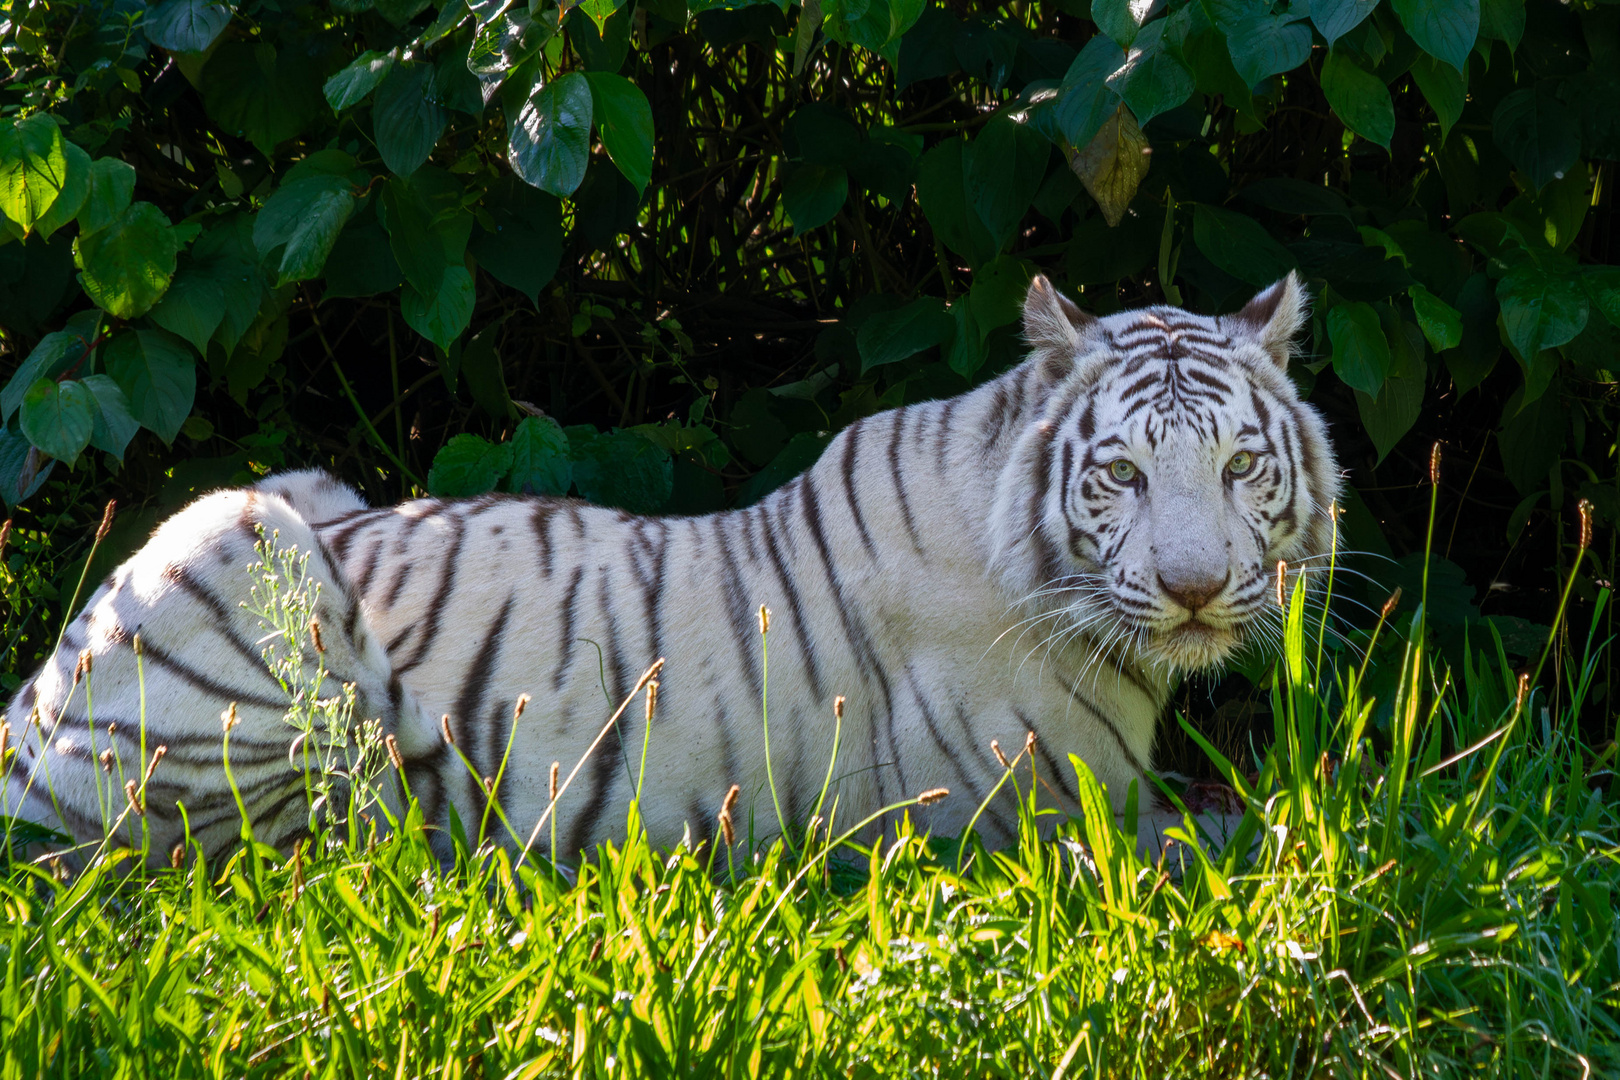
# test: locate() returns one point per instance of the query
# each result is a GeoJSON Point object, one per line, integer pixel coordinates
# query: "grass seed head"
{"type": "Point", "coordinates": [106, 520]}
{"type": "Point", "coordinates": [5, 535]}
{"type": "Point", "coordinates": [1585, 507]}
{"type": "Point", "coordinates": [932, 796]}
{"type": "Point", "coordinates": [129, 796]}
{"type": "Point", "coordinates": [652, 699]}
{"type": "Point", "coordinates": [229, 717]}
{"type": "Point", "coordinates": [727, 828]}
{"type": "Point", "coordinates": [177, 855]}
{"type": "Point", "coordinates": [517, 709]}
{"type": "Point", "coordinates": [82, 668]}
{"type": "Point", "coordinates": [838, 707]}
{"type": "Point", "coordinates": [107, 761]}
{"type": "Point", "coordinates": [151, 766]}
{"type": "Point", "coordinates": [1390, 604]}
{"type": "Point", "coordinates": [1282, 583]}
{"type": "Point", "coordinates": [764, 619]}
{"type": "Point", "coordinates": [395, 759]}
{"type": "Point", "coordinates": [995, 748]}
{"type": "Point", "coordinates": [551, 786]}
{"type": "Point", "coordinates": [444, 729]}
{"type": "Point", "coordinates": [1434, 464]}
{"type": "Point", "coordinates": [315, 632]}
{"type": "Point", "coordinates": [135, 644]}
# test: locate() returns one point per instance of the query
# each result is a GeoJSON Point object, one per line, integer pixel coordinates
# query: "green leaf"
{"type": "Point", "coordinates": [1239, 245]}
{"type": "Point", "coordinates": [1336, 18]}
{"type": "Point", "coordinates": [1119, 19]}
{"type": "Point", "coordinates": [1262, 44]}
{"type": "Point", "coordinates": [621, 468]}
{"type": "Point", "coordinates": [966, 351]}
{"type": "Point", "coordinates": [112, 186]}
{"type": "Point", "coordinates": [193, 307]}
{"type": "Point", "coordinates": [1445, 29]}
{"type": "Point", "coordinates": [504, 43]}
{"type": "Point", "coordinates": [1390, 413]}
{"type": "Point", "coordinates": [261, 95]}
{"type": "Point", "coordinates": [1153, 80]}
{"type": "Point", "coordinates": [1445, 89]}
{"type": "Point", "coordinates": [1085, 101]}
{"type": "Point", "coordinates": [485, 378]}
{"type": "Point", "coordinates": [158, 376]}
{"type": "Point", "coordinates": [1502, 20]}
{"type": "Point", "coordinates": [468, 465]}
{"type": "Point", "coordinates": [58, 417]}
{"type": "Point", "coordinates": [442, 316]}
{"type": "Point", "coordinates": [427, 229]}
{"type": "Point", "coordinates": [550, 138]}
{"type": "Point", "coordinates": [33, 169]}
{"type": "Point", "coordinates": [406, 119]}
{"type": "Point", "coordinates": [942, 193]}
{"type": "Point", "coordinates": [225, 256]}
{"type": "Point", "coordinates": [361, 262]}
{"type": "Point", "coordinates": [540, 458]}
{"type": "Point", "coordinates": [1359, 98]}
{"type": "Point", "coordinates": [1440, 322]}
{"type": "Point", "coordinates": [1003, 169]}
{"type": "Point", "coordinates": [625, 121]}
{"type": "Point", "coordinates": [997, 296]}
{"type": "Point", "coordinates": [306, 216]}
{"type": "Point", "coordinates": [56, 353]}
{"type": "Point", "coordinates": [813, 194]}
{"type": "Point", "coordinates": [525, 247]}
{"type": "Point", "coordinates": [128, 264]}
{"type": "Point", "coordinates": [1541, 308]}
{"type": "Point", "coordinates": [75, 190]}
{"type": "Point", "coordinates": [1602, 284]}
{"type": "Point", "coordinates": [891, 336]}
{"type": "Point", "coordinates": [1540, 134]}
{"type": "Point", "coordinates": [186, 25]}
{"type": "Point", "coordinates": [351, 85]}
{"type": "Point", "coordinates": [1361, 356]}
{"type": "Point", "coordinates": [600, 11]}
{"type": "Point", "coordinates": [114, 425]}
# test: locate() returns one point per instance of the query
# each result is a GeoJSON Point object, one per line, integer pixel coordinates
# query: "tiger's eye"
{"type": "Point", "coordinates": [1123, 471]}
{"type": "Point", "coordinates": [1242, 463]}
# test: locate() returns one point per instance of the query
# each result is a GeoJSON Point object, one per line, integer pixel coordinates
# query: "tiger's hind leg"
{"type": "Point", "coordinates": [128, 744]}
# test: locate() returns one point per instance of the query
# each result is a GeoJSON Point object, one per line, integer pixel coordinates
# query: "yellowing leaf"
{"type": "Point", "coordinates": [1112, 165]}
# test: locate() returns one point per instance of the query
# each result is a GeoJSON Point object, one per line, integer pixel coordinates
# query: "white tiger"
{"type": "Point", "coordinates": [1119, 501]}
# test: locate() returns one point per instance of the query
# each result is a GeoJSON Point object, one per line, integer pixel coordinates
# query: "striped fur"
{"type": "Point", "coordinates": [961, 570]}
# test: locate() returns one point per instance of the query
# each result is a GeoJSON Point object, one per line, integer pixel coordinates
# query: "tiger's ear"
{"type": "Point", "coordinates": [1053, 323]}
{"type": "Point", "coordinates": [1274, 317]}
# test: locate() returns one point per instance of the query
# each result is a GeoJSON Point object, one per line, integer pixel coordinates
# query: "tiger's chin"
{"type": "Point", "coordinates": [1194, 645]}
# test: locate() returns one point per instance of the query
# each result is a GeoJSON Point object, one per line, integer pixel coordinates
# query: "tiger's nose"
{"type": "Point", "coordinates": [1193, 593]}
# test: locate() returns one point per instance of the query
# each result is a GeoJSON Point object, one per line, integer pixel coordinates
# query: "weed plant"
{"type": "Point", "coordinates": [1432, 900]}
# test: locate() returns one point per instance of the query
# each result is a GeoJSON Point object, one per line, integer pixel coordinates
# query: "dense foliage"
{"type": "Point", "coordinates": [655, 252]}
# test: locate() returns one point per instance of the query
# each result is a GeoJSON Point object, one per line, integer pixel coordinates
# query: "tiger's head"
{"type": "Point", "coordinates": [1166, 465]}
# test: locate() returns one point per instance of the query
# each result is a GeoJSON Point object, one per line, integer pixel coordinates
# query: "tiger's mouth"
{"type": "Point", "coordinates": [1194, 644]}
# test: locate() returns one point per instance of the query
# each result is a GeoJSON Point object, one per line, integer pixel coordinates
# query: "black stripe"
{"type": "Point", "coordinates": [849, 464]}
{"type": "Point", "coordinates": [441, 597]}
{"type": "Point", "coordinates": [899, 485]}
{"type": "Point", "coordinates": [570, 599]}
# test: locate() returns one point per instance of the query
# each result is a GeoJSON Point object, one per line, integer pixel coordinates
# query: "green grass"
{"type": "Point", "coordinates": [1435, 898]}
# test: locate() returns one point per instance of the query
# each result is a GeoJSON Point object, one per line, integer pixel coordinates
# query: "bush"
{"type": "Point", "coordinates": [655, 252]}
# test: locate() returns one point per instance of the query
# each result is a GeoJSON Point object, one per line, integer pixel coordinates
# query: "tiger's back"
{"type": "Point", "coordinates": [910, 571]}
